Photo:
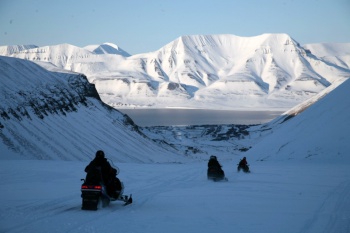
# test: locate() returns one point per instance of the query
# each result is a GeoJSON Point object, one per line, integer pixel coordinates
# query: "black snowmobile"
{"type": "Point", "coordinates": [94, 192]}
{"type": "Point", "coordinates": [243, 167]}
{"type": "Point", "coordinates": [216, 173]}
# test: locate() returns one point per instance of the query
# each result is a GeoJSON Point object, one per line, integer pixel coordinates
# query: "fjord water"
{"type": "Point", "coordinates": [175, 117]}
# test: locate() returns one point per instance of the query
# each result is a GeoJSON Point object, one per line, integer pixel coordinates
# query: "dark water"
{"type": "Point", "coordinates": [168, 117]}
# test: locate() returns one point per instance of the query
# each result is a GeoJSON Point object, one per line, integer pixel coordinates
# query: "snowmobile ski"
{"type": "Point", "coordinates": [128, 201]}
{"type": "Point", "coordinates": [125, 198]}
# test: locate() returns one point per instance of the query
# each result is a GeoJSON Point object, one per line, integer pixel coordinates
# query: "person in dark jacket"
{"type": "Point", "coordinates": [213, 162]}
{"type": "Point", "coordinates": [214, 169]}
{"type": "Point", "coordinates": [108, 173]}
{"type": "Point", "coordinates": [243, 164]}
{"type": "Point", "coordinates": [100, 163]}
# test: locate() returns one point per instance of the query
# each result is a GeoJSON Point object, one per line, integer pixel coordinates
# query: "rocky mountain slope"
{"type": "Point", "coordinates": [58, 115]}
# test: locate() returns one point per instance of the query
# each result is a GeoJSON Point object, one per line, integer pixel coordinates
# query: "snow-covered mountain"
{"type": "Point", "coordinates": [107, 48]}
{"type": "Point", "coordinates": [269, 71]}
{"type": "Point", "coordinates": [58, 115]}
{"type": "Point", "coordinates": [10, 49]}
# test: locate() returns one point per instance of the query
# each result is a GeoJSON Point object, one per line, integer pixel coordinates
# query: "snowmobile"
{"type": "Point", "coordinates": [216, 173]}
{"type": "Point", "coordinates": [243, 167]}
{"type": "Point", "coordinates": [94, 192]}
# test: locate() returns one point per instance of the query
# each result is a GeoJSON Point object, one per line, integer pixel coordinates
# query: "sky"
{"type": "Point", "coordinates": [141, 26]}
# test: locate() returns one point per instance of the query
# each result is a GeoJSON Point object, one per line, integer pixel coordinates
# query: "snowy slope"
{"type": "Point", "coordinates": [336, 53]}
{"type": "Point", "coordinates": [316, 132]}
{"type": "Point", "coordinates": [59, 116]}
{"type": "Point", "coordinates": [269, 71]}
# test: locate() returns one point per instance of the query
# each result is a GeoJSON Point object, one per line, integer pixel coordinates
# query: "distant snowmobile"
{"type": "Point", "coordinates": [94, 193]}
{"type": "Point", "coordinates": [243, 165]}
{"type": "Point", "coordinates": [215, 171]}
{"type": "Point", "coordinates": [245, 168]}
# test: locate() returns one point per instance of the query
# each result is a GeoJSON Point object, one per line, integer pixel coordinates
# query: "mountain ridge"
{"type": "Point", "coordinates": [269, 71]}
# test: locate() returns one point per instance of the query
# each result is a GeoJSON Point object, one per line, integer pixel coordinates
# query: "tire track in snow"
{"type": "Point", "coordinates": [333, 216]}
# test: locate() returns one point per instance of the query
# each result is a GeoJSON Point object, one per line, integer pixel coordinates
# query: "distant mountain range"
{"type": "Point", "coordinates": [270, 71]}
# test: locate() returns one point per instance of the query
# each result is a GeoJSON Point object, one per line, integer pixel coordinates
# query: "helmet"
{"type": "Point", "coordinates": [100, 154]}
{"type": "Point", "coordinates": [213, 157]}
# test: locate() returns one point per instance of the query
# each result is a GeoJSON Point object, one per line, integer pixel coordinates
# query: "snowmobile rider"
{"type": "Point", "coordinates": [109, 178]}
{"type": "Point", "coordinates": [213, 162]}
{"type": "Point", "coordinates": [215, 171]}
{"type": "Point", "coordinates": [243, 162]}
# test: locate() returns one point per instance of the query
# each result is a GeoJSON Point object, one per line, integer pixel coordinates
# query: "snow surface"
{"type": "Point", "coordinates": [288, 196]}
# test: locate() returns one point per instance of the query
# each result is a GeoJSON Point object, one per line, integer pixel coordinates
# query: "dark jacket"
{"type": "Point", "coordinates": [243, 162]}
{"type": "Point", "coordinates": [213, 163]}
{"type": "Point", "coordinates": [103, 165]}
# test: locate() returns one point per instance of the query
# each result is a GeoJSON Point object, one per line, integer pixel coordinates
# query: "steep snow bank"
{"type": "Point", "coordinates": [319, 132]}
